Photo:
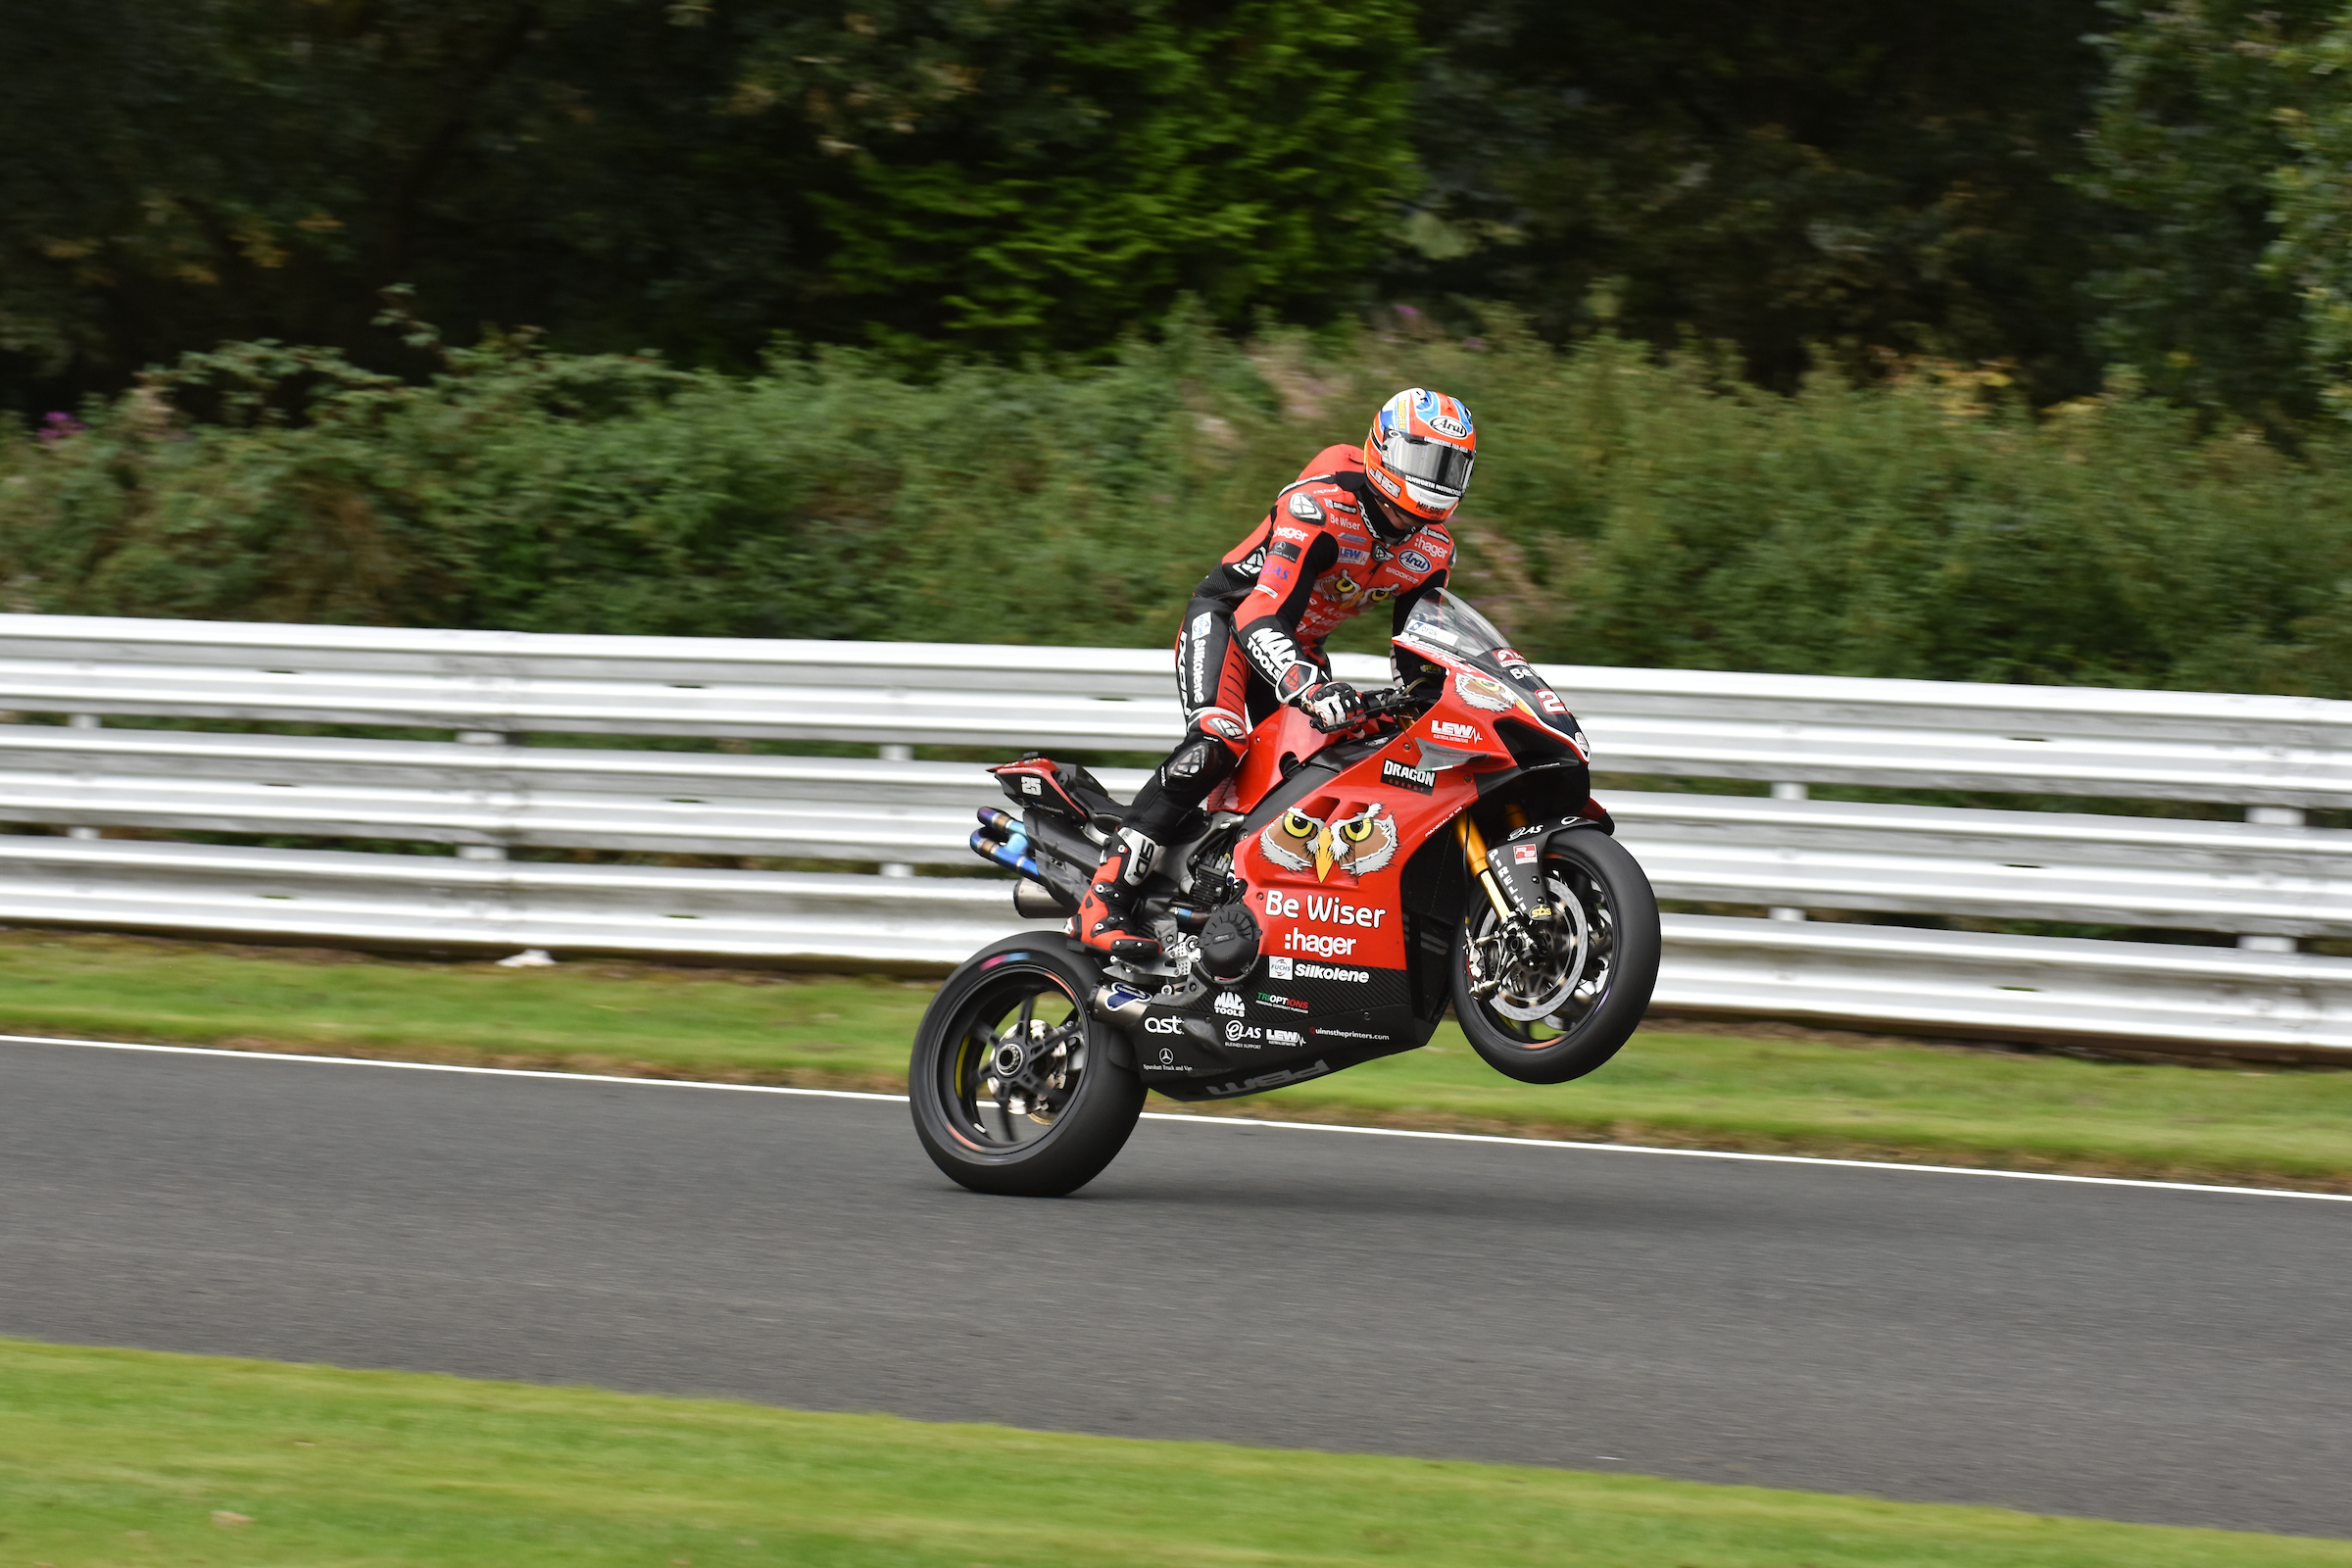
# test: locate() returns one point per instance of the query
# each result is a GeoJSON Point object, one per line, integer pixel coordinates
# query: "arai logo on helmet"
{"type": "Point", "coordinates": [1433, 406]}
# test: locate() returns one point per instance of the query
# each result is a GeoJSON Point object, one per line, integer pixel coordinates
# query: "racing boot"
{"type": "Point", "coordinates": [1105, 919]}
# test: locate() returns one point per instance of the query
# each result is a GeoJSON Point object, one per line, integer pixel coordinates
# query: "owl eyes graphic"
{"type": "Point", "coordinates": [1361, 844]}
{"type": "Point", "coordinates": [1291, 840]}
{"type": "Point", "coordinates": [1358, 845]}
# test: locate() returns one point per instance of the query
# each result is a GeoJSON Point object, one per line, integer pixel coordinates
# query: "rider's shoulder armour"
{"type": "Point", "coordinates": [1320, 498]}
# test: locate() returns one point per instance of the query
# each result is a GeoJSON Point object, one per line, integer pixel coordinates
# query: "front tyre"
{"type": "Point", "coordinates": [1011, 1083]}
{"type": "Point", "coordinates": [1559, 1013]}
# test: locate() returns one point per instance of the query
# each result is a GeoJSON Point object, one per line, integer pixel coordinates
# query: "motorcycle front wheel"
{"type": "Point", "coordinates": [1558, 1014]}
{"type": "Point", "coordinates": [1011, 1083]}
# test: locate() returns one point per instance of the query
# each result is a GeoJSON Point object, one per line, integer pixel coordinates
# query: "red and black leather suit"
{"type": "Point", "coordinates": [1253, 636]}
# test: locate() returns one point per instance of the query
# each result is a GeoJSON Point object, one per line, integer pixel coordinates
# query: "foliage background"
{"type": "Point", "coordinates": [1818, 183]}
{"type": "Point", "coordinates": [1996, 339]}
{"type": "Point", "coordinates": [1632, 510]}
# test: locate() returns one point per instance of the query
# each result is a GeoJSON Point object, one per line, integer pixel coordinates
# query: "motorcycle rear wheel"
{"type": "Point", "coordinates": [1569, 1011]}
{"type": "Point", "coordinates": [1013, 1085]}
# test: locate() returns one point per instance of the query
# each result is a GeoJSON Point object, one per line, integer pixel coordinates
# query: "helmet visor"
{"type": "Point", "coordinates": [1427, 462]}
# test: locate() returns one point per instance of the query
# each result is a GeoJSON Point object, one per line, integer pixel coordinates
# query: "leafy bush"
{"type": "Point", "coordinates": [1627, 511]}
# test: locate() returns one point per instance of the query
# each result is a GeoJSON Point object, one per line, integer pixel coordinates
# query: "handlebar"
{"type": "Point", "coordinates": [1381, 704]}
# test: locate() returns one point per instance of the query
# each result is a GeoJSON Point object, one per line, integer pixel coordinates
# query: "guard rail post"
{"type": "Point", "coordinates": [2271, 816]}
{"type": "Point", "coordinates": [1785, 791]}
{"type": "Point", "coordinates": [482, 736]}
{"type": "Point", "coordinates": [84, 721]}
{"type": "Point", "coordinates": [897, 752]}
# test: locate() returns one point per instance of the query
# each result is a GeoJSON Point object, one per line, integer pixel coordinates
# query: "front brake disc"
{"type": "Point", "coordinates": [1545, 991]}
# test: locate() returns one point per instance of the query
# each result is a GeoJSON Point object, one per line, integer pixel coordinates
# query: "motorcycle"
{"type": "Point", "coordinates": [1325, 906]}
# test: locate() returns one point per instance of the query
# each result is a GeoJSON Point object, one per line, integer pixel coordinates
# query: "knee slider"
{"type": "Point", "coordinates": [1207, 758]}
{"type": "Point", "coordinates": [1224, 726]}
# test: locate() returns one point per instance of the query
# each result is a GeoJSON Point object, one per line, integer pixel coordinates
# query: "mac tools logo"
{"type": "Point", "coordinates": [1228, 1003]}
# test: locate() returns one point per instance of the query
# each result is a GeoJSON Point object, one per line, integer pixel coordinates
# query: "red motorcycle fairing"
{"type": "Point", "coordinates": [1333, 831]}
{"type": "Point", "coordinates": [1325, 870]}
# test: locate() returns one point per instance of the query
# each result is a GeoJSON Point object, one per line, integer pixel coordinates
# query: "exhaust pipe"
{"type": "Point", "coordinates": [1037, 901]}
{"type": "Point", "coordinates": [1013, 855]}
{"type": "Point", "coordinates": [1119, 1004]}
{"type": "Point", "coordinates": [1000, 841]}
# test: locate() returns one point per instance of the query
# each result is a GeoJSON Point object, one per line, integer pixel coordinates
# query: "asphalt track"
{"type": "Point", "coordinates": [2175, 1356]}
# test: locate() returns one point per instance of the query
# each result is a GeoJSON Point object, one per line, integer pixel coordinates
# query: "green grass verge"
{"type": "Point", "coordinates": [130, 1456]}
{"type": "Point", "coordinates": [1878, 1098]}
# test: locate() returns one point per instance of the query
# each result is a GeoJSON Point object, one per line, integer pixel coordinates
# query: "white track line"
{"type": "Point", "coordinates": [444, 1067]}
{"type": "Point", "coordinates": [1201, 1121]}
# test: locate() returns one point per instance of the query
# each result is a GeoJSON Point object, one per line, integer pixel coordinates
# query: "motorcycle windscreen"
{"type": "Point", "coordinates": [1499, 678]}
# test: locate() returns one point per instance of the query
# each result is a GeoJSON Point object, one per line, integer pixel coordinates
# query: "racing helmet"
{"type": "Point", "coordinates": [1420, 452]}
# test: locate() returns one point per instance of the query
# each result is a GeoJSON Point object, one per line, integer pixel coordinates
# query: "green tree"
{"type": "Point", "coordinates": [2313, 191]}
{"type": "Point", "coordinates": [692, 177]}
{"type": "Point", "coordinates": [2191, 132]}
{"type": "Point", "coordinates": [1838, 175]}
{"type": "Point", "coordinates": [1042, 175]}
{"type": "Point", "coordinates": [184, 174]}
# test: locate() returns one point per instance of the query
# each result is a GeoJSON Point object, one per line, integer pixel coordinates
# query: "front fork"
{"type": "Point", "coordinates": [1514, 886]}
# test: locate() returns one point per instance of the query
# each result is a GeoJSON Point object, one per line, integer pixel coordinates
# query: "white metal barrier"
{"type": "Point", "coordinates": [2270, 880]}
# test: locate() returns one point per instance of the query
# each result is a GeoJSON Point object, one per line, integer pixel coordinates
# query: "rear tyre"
{"type": "Point", "coordinates": [1013, 1085]}
{"type": "Point", "coordinates": [1560, 1013]}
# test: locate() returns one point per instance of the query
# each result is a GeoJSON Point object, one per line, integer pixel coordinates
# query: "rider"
{"type": "Point", "coordinates": [1358, 527]}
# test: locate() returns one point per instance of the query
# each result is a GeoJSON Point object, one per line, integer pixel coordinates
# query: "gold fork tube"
{"type": "Point", "coordinates": [1474, 850]}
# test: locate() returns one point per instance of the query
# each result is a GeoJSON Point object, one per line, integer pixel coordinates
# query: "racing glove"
{"type": "Point", "coordinates": [1331, 705]}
